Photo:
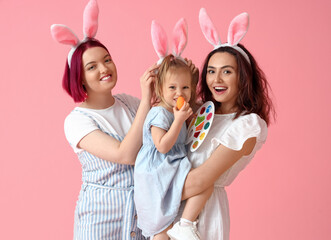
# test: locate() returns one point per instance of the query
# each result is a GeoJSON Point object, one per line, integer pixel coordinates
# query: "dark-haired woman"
{"type": "Point", "coordinates": [243, 109]}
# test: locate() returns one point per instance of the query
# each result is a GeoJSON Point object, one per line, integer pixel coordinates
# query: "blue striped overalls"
{"type": "Point", "coordinates": [105, 207]}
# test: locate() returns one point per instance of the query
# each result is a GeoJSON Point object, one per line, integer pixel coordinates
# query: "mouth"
{"type": "Point", "coordinates": [220, 89]}
{"type": "Point", "coordinates": [106, 78]}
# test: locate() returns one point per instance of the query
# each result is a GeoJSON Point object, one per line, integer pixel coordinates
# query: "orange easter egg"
{"type": "Point", "coordinates": [180, 102]}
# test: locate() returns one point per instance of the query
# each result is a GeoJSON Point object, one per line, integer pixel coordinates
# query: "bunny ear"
{"type": "Point", "coordinates": [208, 29]}
{"type": "Point", "coordinates": [179, 37]}
{"type": "Point", "coordinates": [159, 39]}
{"type": "Point", "coordinates": [64, 35]}
{"type": "Point", "coordinates": [90, 19]}
{"type": "Point", "coordinates": [238, 28]}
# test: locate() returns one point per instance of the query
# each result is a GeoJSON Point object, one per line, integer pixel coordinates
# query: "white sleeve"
{"type": "Point", "coordinates": [241, 129]}
{"type": "Point", "coordinates": [76, 126]}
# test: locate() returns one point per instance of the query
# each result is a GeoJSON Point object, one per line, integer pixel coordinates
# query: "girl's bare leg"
{"type": "Point", "coordinates": [195, 204]}
{"type": "Point", "coordinates": [162, 235]}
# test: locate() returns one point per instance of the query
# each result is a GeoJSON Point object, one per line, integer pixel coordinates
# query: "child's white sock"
{"type": "Point", "coordinates": [185, 222]}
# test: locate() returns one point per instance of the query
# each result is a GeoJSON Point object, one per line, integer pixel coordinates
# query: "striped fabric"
{"type": "Point", "coordinates": [105, 207]}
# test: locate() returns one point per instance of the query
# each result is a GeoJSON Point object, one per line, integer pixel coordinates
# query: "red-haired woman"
{"type": "Point", "coordinates": [232, 80]}
{"type": "Point", "coordinates": [105, 131]}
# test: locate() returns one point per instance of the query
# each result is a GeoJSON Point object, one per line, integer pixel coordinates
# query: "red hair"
{"type": "Point", "coordinates": [72, 77]}
{"type": "Point", "coordinates": [253, 96]}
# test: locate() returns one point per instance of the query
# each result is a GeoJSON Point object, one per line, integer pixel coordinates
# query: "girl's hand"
{"type": "Point", "coordinates": [146, 82]}
{"type": "Point", "coordinates": [184, 113]}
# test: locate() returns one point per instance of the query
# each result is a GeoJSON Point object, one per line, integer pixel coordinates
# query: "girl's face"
{"type": "Point", "coordinates": [99, 71]}
{"type": "Point", "coordinates": [222, 79]}
{"type": "Point", "coordinates": [176, 83]}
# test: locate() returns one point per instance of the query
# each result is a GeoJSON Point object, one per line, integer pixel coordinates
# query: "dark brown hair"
{"type": "Point", "coordinates": [253, 87]}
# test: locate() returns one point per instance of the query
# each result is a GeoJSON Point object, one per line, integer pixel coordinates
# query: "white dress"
{"type": "Point", "coordinates": [214, 220]}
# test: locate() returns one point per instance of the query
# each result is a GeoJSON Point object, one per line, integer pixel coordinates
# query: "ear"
{"type": "Point", "coordinates": [159, 39]}
{"type": "Point", "coordinates": [208, 29]}
{"type": "Point", "coordinates": [179, 37]}
{"type": "Point", "coordinates": [64, 35]}
{"type": "Point", "coordinates": [90, 19]}
{"type": "Point", "coordinates": [238, 28]}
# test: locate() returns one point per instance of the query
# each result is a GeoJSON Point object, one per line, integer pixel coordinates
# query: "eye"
{"type": "Point", "coordinates": [91, 68]}
{"type": "Point", "coordinates": [227, 72]}
{"type": "Point", "coordinates": [172, 87]}
{"type": "Point", "coordinates": [186, 87]}
{"type": "Point", "coordinates": [108, 60]}
{"type": "Point", "coordinates": [211, 71]}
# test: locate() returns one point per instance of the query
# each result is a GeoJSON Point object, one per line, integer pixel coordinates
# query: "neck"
{"type": "Point", "coordinates": [98, 101]}
{"type": "Point", "coordinates": [166, 106]}
{"type": "Point", "coordinates": [226, 109]}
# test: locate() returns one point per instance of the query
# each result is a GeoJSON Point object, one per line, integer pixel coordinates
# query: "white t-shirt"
{"type": "Point", "coordinates": [117, 118]}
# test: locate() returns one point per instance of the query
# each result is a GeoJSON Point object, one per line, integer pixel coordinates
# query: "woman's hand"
{"type": "Point", "coordinates": [194, 70]}
{"type": "Point", "coordinates": [146, 83]}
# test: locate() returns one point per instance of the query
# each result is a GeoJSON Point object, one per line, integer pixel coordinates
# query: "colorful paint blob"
{"type": "Point", "coordinates": [206, 125]}
{"type": "Point", "coordinates": [192, 122]}
{"type": "Point", "coordinates": [209, 116]}
{"type": "Point", "coordinates": [196, 134]}
{"type": "Point", "coordinates": [202, 110]}
{"type": "Point", "coordinates": [195, 144]}
{"type": "Point", "coordinates": [199, 127]}
{"type": "Point", "coordinates": [208, 109]}
{"type": "Point", "coordinates": [202, 136]}
{"type": "Point", "coordinates": [199, 120]}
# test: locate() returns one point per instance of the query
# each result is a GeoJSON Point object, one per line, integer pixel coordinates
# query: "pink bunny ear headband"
{"type": "Point", "coordinates": [65, 35]}
{"type": "Point", "coordinates": [237, 30]}
{"type": "Point", "coordinates": [160, 43]}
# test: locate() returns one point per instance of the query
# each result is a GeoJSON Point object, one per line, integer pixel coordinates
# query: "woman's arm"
{"type": "Point", "coordinates": [199, 179]}
{"type": "Point", "coordinates": [108, 148]}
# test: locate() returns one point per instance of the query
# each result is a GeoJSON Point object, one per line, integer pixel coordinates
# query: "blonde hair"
{"type": "Point", "coordinates": [171, 64]}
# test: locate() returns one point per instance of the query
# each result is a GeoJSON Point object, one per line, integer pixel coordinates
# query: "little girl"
{"type": "Point", "coordinates": [161, 165]}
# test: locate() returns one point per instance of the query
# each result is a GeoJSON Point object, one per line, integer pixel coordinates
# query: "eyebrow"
{"type": "Point", "coordinates": [107, 55]}
{"type": "Point", "coordinates": [226, 66]}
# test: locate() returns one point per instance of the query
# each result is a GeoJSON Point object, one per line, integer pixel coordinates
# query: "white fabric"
{"type": "Point", "coordinates": [78, 124]}
{"type": "Point", "coordinates": [214, 221]}
{"type": "Point", "coordinates": [239, 49]}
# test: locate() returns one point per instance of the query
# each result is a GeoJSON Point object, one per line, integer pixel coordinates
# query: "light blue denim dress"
{"type": "Point", "coordinates": [159, 178]}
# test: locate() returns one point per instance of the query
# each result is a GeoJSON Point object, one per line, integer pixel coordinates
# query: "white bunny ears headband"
{"type": "Point", "coordinates": [237, 30]}
{"type": "Point", "coordinates": [160, 43]}
{"type": "Point", "coordinates": [65, 35]}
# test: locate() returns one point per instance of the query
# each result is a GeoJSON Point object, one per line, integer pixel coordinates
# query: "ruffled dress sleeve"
{"type": "Point", "coordinates": [241, 129]}
{"type": "Point", "coordinates": [160, 117]}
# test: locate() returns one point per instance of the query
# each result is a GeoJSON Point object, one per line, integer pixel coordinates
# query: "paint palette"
{"type": "Point", "coordinates": [199, 126]}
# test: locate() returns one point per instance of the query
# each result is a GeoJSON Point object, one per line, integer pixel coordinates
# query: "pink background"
{"type": "Point", "coordinates": [283, 194]}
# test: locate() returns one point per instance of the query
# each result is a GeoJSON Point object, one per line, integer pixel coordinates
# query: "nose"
{"type": "Point", "coordinates": [103, 68]}
{"type": "Point", "coordinates": [219, 77]}
{"type": "Point", "coordinates": [179, 92]}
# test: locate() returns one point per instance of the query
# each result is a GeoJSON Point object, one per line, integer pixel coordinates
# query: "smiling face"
{"type": "Point", "coordinates": [178, 82]}
{"type": "Point", "coordinates": [222, 80]}
{"type": "Point", "coordinates": [99, 71]}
